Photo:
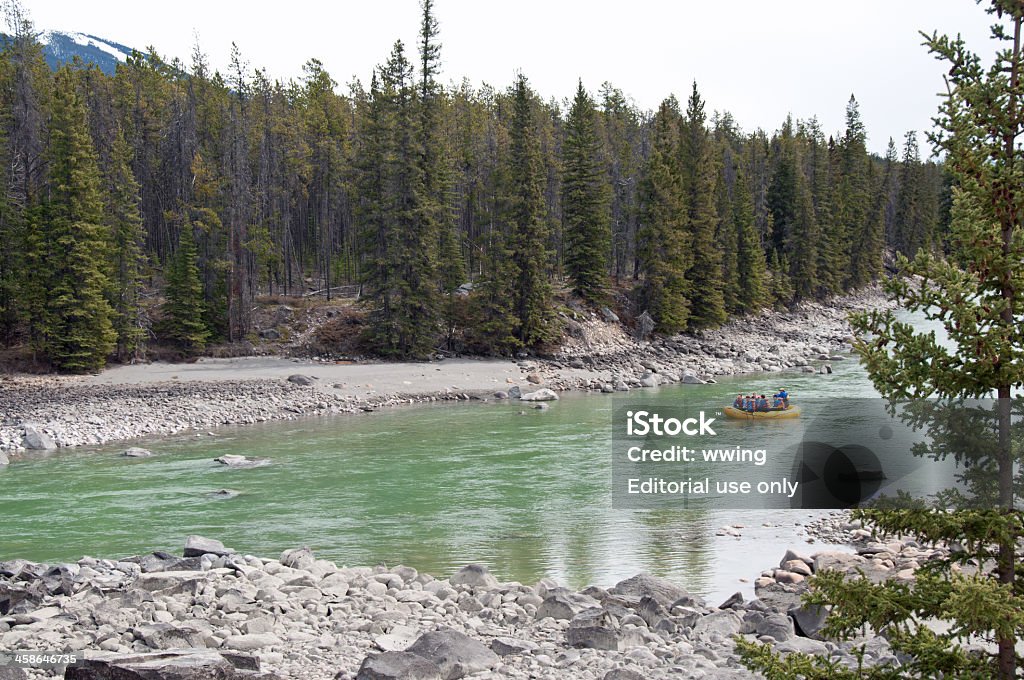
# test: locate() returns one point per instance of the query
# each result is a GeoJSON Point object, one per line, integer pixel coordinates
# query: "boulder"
{"type": "Point", "coordinates": [474, 576]}
{"type": "Point", "coordinates": [514, 392]}
{"type": "Point", "coordinates": [300, 379]}
{"type": "Point", "coordinates": [170, 636]}
{"type": "Point", "coordinates": [778, 626]}
{"type": "Point", "coordinates": [252, 641]}
{"type": "Point", "coordinates": [662, 590]}
{"type": "Point", "coordinates": [398, 666]}
{"type": "Point", "coordinates": [178, 664]}
{"type": "Point", "coordinates": [397, 639]}
{"type": "Point", "coordinates": [543, 394]}
{"type": "Point", "coordinates": [609, 316]}
{"type": "Point", "coordinates": [624, 674]}
{"type": "Point", "coordinates": [564, 605]}
{"type": "Point", "coordinates": [809, 620]}
{"type": "Point", "coordinates": [691, 379]}
{"type": "Point", "coordinates": [197, 546]}
{"type": "Point", "coordinates": [36, 440]}
{"type": "Point", "coordinates": [503, 646]}
{"type": "Point", "coordinates": [649, 381]}
{"type": "Point", "coordinates": [725, 622]}
{"type": "Point", "coordinates": [298, 558]}
{"type": "Point", "coordinates": [234, 461]}
{"type": "Point", "coordinates": [270, 334]}
{"type": "Point", "coordinates": [534, 378]}
{"type": "Point", "coordinates": [593, 629]}
{"type": "Point", "coordinates": [500, 394]}
{"type": "Point", "coordinates": [620, 386]}
{"type": "Point", "coordinates": [456, 654]}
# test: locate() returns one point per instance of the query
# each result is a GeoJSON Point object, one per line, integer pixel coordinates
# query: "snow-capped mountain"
{"type": "Point", "coordinates": [61, 47]}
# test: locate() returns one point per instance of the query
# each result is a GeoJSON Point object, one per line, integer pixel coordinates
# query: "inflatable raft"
{"type": "Point", "coordinates": [737, 414]}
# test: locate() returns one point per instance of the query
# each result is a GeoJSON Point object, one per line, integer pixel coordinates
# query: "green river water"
{"type": "Point", "coordinates": [526, 492]}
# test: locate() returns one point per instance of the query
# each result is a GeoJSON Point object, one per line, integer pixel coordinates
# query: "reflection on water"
{"type": "Point", "coordinates": [526, 492]}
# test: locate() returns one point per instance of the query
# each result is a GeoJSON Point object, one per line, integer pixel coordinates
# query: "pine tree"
{"type": "Point", "coordinates": [727, 234]}
{"type": "Point", "coordinates": [77, 335]}
{"type": "Point", "coordinates": [184, 309]}
{"type": "Point", "coordinates": [863, 244]}
{"type": "Point", "coordinates": [527, 216]}
{"type": "Point", "coordinates": [754, 291]}
{"type": "Point", "coordinates": [699, 174]}
{"type": "Point", "coordinates": [975, 295]}
{"type": "Point", "coordinates": [400, 279]}
{"type": "Point", "coordinates": [126, 236]}
{"type": "Point", "coordinates": [663, 244]}
{"type": "Point", "coordinates": [585, 202]}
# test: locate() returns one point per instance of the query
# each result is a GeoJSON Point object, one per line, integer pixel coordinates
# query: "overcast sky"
{"type": "Point", "coordinates": [757, 59]}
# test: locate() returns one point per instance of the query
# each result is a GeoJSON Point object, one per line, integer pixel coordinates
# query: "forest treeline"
{"type": "Point", "coordinates": [156, 204]}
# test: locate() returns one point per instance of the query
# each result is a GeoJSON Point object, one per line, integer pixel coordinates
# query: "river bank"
{"type": "Point", "coordinates": [233, 616]}
{"type": "Point", "coordinates": [143, 400]}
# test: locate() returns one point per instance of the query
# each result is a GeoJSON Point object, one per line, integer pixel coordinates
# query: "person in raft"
{"type": "Point", "coordinates": [784, 396]}
{"type": "Point", "coordinates": [738, 403]}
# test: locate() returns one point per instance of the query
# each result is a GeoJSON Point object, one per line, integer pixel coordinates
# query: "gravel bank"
{"type": "Point", "coordinates": [234, 616]}
{"type": "Point", "coordinates": [159, 399]}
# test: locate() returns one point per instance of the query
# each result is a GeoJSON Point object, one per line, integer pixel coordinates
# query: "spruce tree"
{"type": "Point", "coordinates": [526, 213]}
{"type": "Point", "coordinates": [975, 294]}
{"type": "Point", "coordinates": [663, 243]}
{"type": "Point", "coordinates": [126, 237]}
{"type": "Point", "coordinates": [754, 281]}
{"type": "Point", "coordinates": [76, 331]}
{"type": "Point", "coordinates": [860, 239]}
{"type": "Point", "coordinates": [585, 202]}
{"type": "Point", "coordinates": [184, 309]}
{"type": "Point", "coordinates": [699, 175]}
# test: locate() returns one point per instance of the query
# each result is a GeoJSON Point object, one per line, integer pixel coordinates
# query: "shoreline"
{"type": "Point", "coordinates": [145, 400]}
{"type": "Point", "coordinates": [224, 614]}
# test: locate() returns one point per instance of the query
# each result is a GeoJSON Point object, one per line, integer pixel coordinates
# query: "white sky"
{"type": "Point", "coordinates": [757, 59]}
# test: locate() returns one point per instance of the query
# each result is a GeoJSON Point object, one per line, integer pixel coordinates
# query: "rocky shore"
{"type": "Point", "coordinates": [212, 613]}
{"type": "Point", "coordinates": [54, 412]}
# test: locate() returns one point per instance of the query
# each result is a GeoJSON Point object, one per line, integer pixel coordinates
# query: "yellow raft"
{"type": "Point", "coordinates": [737, 414]}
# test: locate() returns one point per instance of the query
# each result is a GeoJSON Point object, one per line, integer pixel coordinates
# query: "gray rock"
{"type": "Point", "coordinates": [170, 636]}
{"type": "Point", "coordinates": [270, 334]}
{"type": "Point", "coordinates": [624, 674]}
{"type": "Point", "coordinates": [234, 461]}
{"type": "Point", "coordinates": [725, 622]}
{"type": "Point", "coordinates": [609, 316]}
{"type": "Point", "coordinates": [474, 576]}
{"type": "Point", "coordinates": [180, 664]}
{"type": "Point", "coordinates": [501, 394]}
{"type": "Point", "coordinates": [809, 620]}
{"type": "Point", "coordinates": [137, 452]}
{"type": "Point", "coordinates": [732, 601]}
{"type": "Point", "coordinates": [4, 460]}
{"type": "Point", "coordinates": [607, 388]}
{"type": "Point", "coordinates": [778, 626]}
{"type": "Point", "coordinates": [299, 558]}
{"type": "Point", "coordinates": [503, 646]}
{"type": "Point", "coordinates": [593, 629]}
{"type": "Point", "coordinates": [803, 645]}
{"type": "Point", "coordinates": [224, 494]}
{"type": "Point", "coordinates": [543, 394]}
{"type": "Point", "coordinates": [563, 605]}
{"type": "Point", "coordinates": [649, 381]}
{"type": "Point", "coordinates": [398, 666]}
{"type": "Point", "coordinates": [197, 546]}
{"type": "Point", "coordinates": [662, 590]}
{"type": "Point", "coordinates": [457, 655]}
{"type": "Point", "coordinates": [514, 392]}
{"type": "Point", "coordinates": [620, 386]}
{"type": "Point", "coordinates": [300, 379]}
{"type": "Point", "coordinates": [252, 641]}
{"type": "Point", "coordinates": [691, 379]}
{"type": "Point", "coordinates": [37, 440]}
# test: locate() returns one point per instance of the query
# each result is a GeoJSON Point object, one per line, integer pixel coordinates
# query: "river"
{"type": "Point", "coordinates": [526, 492]}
